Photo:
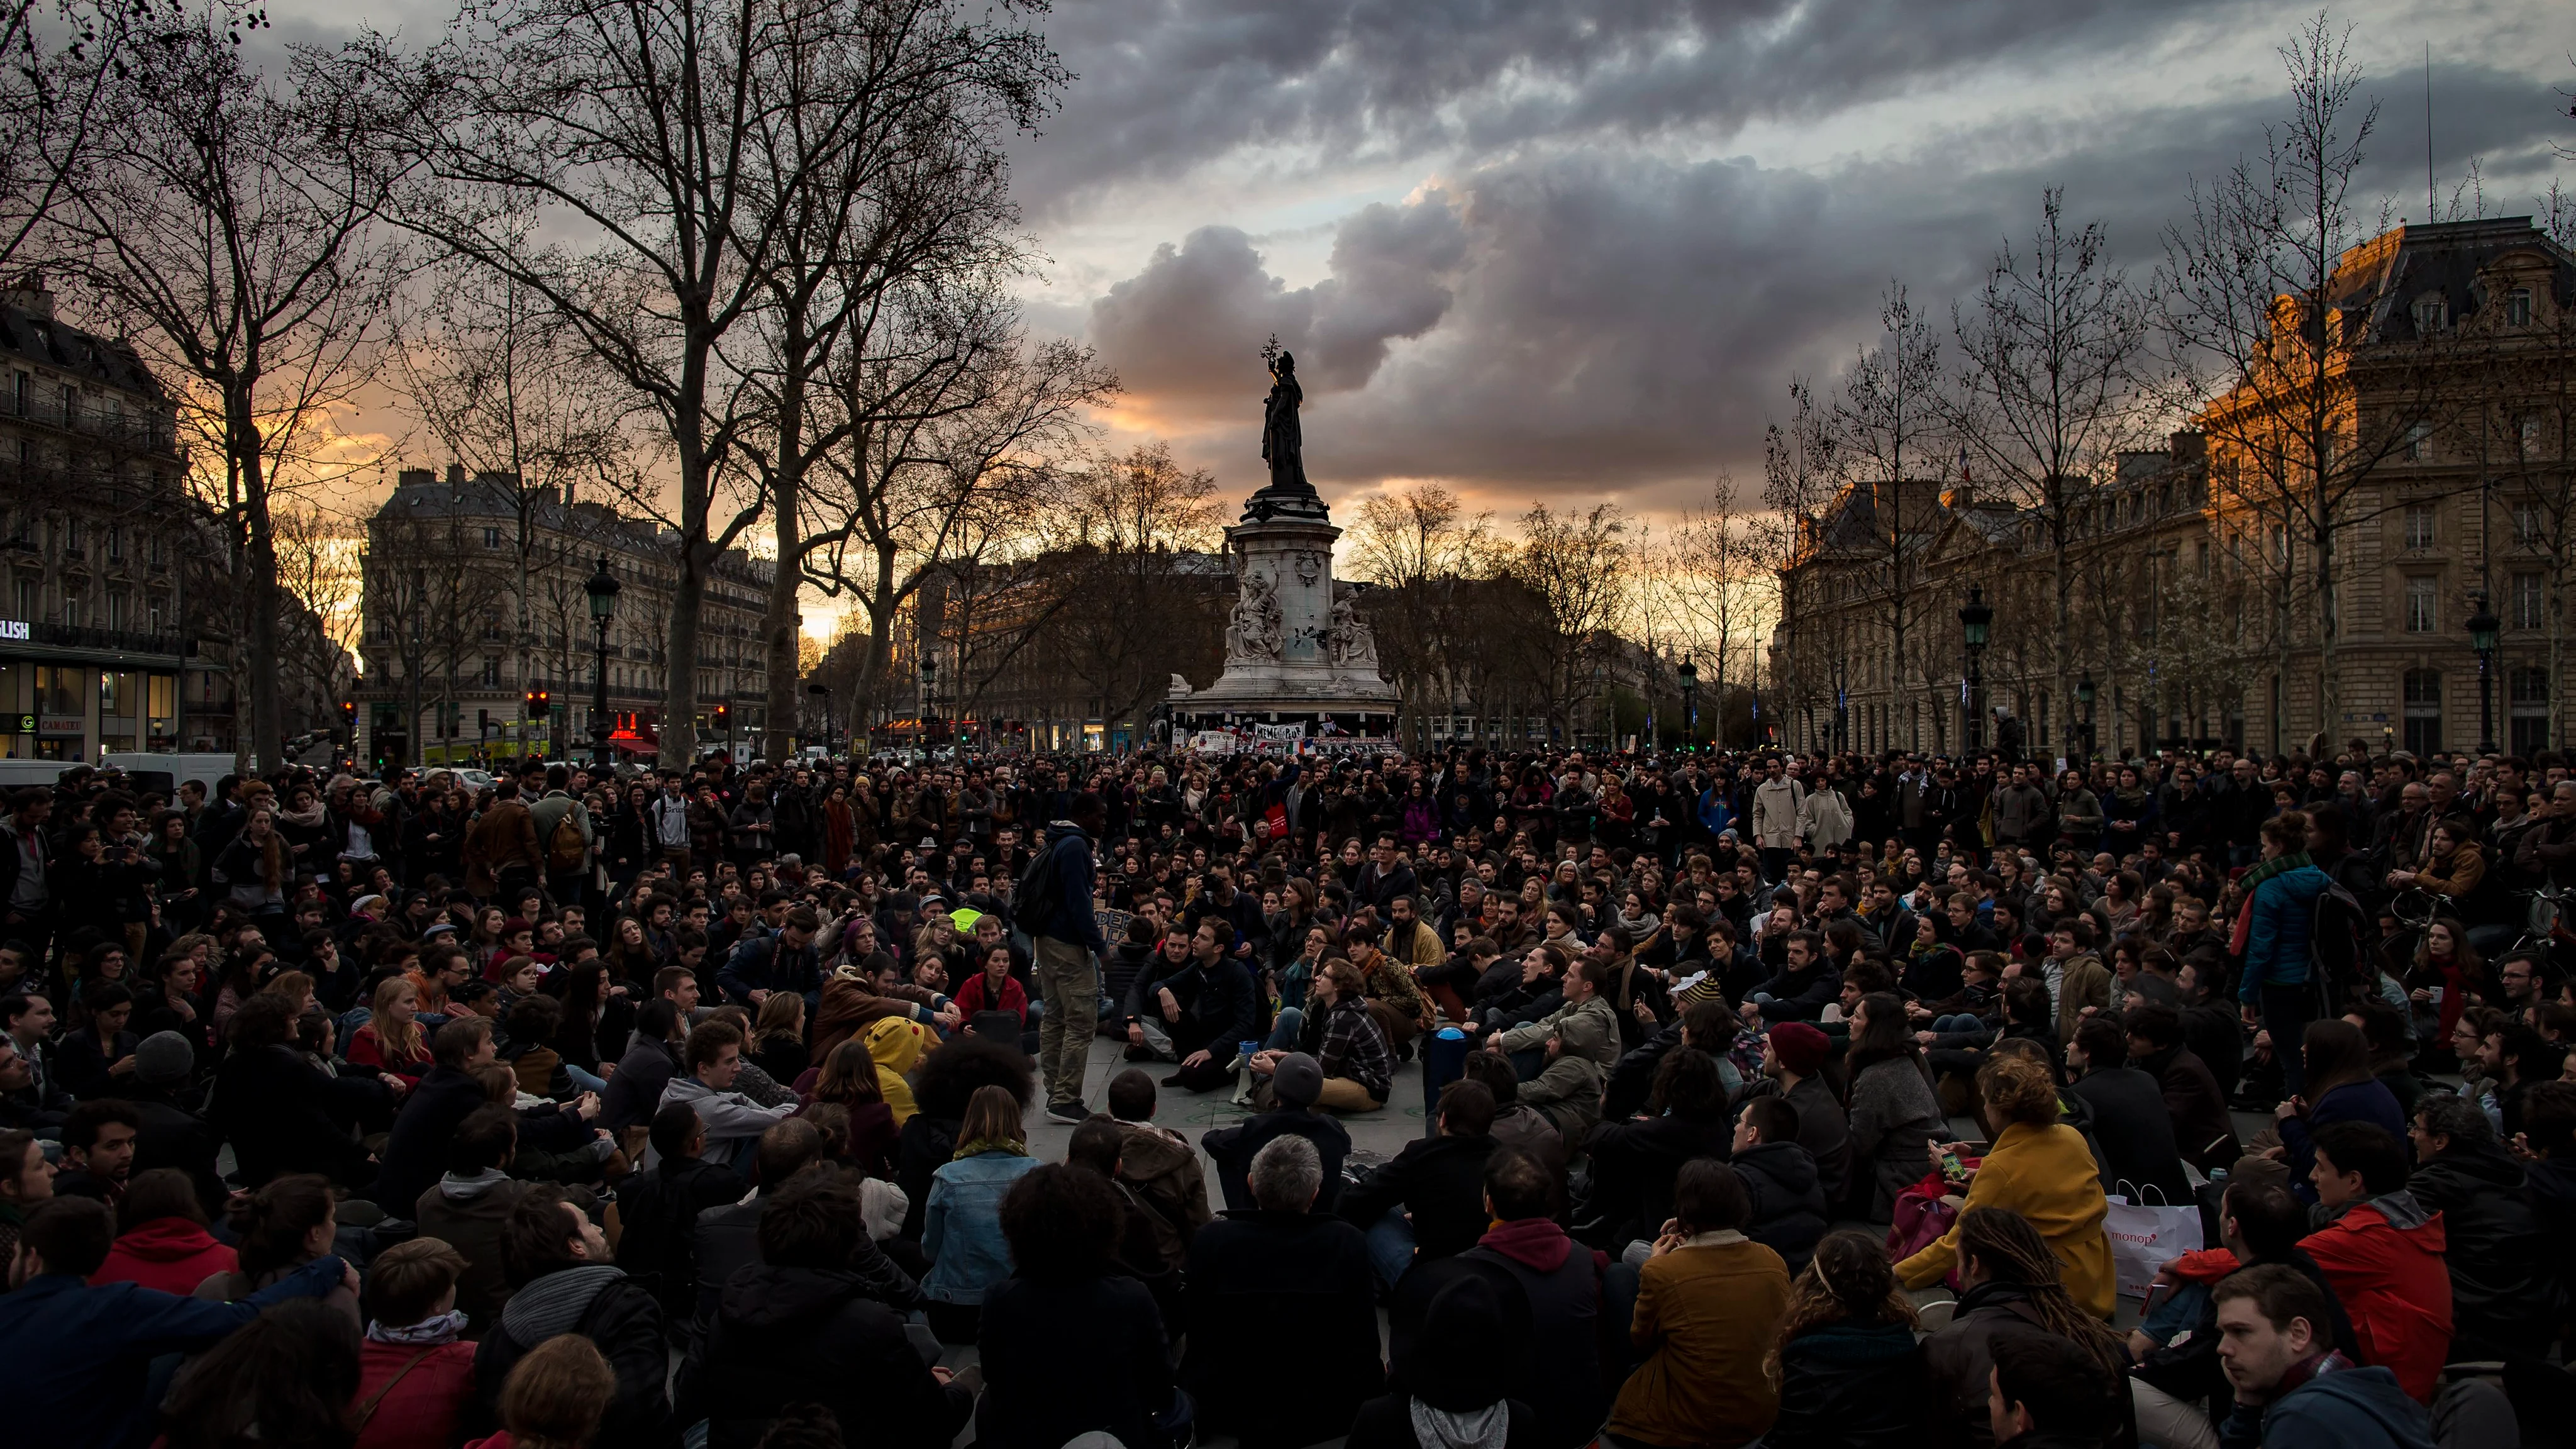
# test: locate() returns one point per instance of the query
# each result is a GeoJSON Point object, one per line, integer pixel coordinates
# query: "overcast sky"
{"type": "Point", "coordinates": [1574, 249]}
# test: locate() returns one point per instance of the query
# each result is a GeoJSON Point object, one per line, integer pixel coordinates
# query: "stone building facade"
{"type": "Point", "coordinates": [2437, 455]}
{"type": "Point", "coordinates": [476, 630]}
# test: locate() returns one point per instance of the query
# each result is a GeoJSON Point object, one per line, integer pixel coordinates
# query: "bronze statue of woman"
{"type": "Point", "coordinates": [1282, 443]}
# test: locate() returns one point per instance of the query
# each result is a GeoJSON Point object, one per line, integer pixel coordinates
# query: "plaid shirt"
{"type": "Point", "coordinates": [1355, 1048]}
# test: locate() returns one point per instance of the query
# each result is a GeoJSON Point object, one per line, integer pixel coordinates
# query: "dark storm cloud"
{"type": "Point", "coordinates": [1170, 84]}
{"type": "Point", "coordinates": [1596, 321]}
{"type": "Point", "coordinates": [1185, 331]}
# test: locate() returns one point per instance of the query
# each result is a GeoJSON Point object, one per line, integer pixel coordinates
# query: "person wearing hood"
{"type": "Point", "coordinates": [1158, 1165]}
{"type": "Point", "coordinates": [1567, 1090]}
{"type": "Point", "coordinates": [2293, 1390]}
{"type": "Point", "coordinates": [1560, 1281]}
{"type": "Point", "coordinates": [2382, 1252]}
{"type": "Point", "coordinates": [161, 1237]}
{"type": "Point", "coordinates": [469, 1207]}
{"type": "Point", "coordinates": [895, 1045]}
{"type": "Point", "coordinates": [1788, 1209]}
{"type": "Point", "coordinates": [2272, 937]}
{"type": "Point", "coordinates": [1456, 1392]}
{"type": "Point", "coordinates": [800, 1326]}
{"type": "Point", "coordinates": [2504, 1296]}
{"type": "Point", "coordinates": [1054, 905]}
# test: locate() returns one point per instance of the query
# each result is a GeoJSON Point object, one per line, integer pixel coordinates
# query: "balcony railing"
{"type": "Point", "coordinates": [143, 432]}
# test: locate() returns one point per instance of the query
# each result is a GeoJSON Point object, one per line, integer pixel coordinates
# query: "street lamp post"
{"type": "Point", "coordinates": [2085, 694]}
{"type": "Point", "coordinates": [1975, 617]}
{"type": "Point", "coordinates": [1689, 673]}
{"type": "Point", "coordinates": [929, 696]}
{"type": "Point", "coordinates": [602, 588]}
{"type": "Point", "coordinates": [2482, 636]}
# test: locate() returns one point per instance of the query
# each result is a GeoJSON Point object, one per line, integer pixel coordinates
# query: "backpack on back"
{"type": "Point", "coordinates": [565, 849]}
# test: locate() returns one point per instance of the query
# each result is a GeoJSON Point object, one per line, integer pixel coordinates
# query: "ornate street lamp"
{"type": "Point", "coordinates": [602, 588]}
{"type": "Point", "coordinates": [1976, 618]}
{"type": "Point", "coordinates": [2482, 637]}
{"type": "Point", "coordinates": [929, 684]}
{"type": "Point", "coordinates": [1689, 673]}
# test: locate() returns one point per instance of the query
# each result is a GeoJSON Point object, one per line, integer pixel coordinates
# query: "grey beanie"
{"type": "Point", "coordinates": [1297, 1080]}
{"type": "Point", "coordinates": [164, 1057]}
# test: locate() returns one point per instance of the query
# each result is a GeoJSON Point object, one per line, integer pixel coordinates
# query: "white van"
{"type": "Point", "coordinates": [173, 770]}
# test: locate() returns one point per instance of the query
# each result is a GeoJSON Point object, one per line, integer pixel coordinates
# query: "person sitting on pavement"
{"type": "Point", "coordinates": [2292, 1389]}
{"type": "Point", "coordinates": [1282, 1273]}
{"type": "Point", "coordinates": [1295, 1082]}
{"type": "Point", "coordinates": [1428, 1203]}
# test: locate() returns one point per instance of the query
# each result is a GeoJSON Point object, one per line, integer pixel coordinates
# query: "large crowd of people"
{"type": "Point", "coordinates": [693, 1106]}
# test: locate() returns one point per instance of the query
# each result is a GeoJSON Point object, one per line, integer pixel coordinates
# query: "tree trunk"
{"type": "Point", "coordinates": [778, 626]}
{"type": "Point", "coordinates": [259, 656]}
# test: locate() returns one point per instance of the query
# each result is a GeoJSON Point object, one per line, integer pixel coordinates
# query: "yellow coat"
{"type": "Point", "coordinates": [2047, 1175]}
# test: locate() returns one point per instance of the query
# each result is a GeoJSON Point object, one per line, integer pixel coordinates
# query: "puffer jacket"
{"type": "Point", "coordinates": [2384, 1258]}
{"type": "Point", "coordinates": [2283, 914]}
{"type": "Point", "coordinates": [2504, 1296]}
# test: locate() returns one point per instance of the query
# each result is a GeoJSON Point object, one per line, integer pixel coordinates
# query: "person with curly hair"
{"type": "Point", "coordinates": [1064, 1225]}
{"type": "Point", "coordinates": [1850, 1373]}
{"type": "Point", "coordinates": [2040, 1168]}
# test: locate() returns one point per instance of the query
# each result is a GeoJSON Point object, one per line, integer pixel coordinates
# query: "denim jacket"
{"type": "Point", "coordinates": [961, 1230]}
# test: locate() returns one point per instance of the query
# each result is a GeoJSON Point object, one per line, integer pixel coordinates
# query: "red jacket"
{"type": "Point", "coordinates": [421, 1409]}
{"type": "Point", "coordinates": [971, 998]}
{"type": "Point", "coordinates": [2395, 1286]}
{"type": "Point", "coordinates": [171, 1254]}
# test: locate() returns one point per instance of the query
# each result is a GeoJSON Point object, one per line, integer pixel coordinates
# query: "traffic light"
{"type": "Point", "coordinates": [349, 717]}
{"type": "Point", "coordinates": [540, 703]}
{"type": "Point", "coordinates": [724, 716]}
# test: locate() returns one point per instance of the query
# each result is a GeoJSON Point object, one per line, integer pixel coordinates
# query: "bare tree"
{"type": "Point", "coordinates": [948, 420]}
{"type": "Point", "coordinates": [1798, 470]}
{"type": "Point", "coordinates": [1128, 529]}
{"type": "Point", "coordinates": [2047, 353]}
{"type": "Point", "coordinates": [503, 387]}
{"type": "Point", "coordinates": [424, 592]}
{"type": "Point", "coordinates": [2273, 361]}
{"type": "Point", "coordinates": [1721, 593]}
{"type": "Point", "coordinates": [1574, 564]}
{"type": "Point", "coordinates": [224, 230]}
{"type": "Point", "coordinates": [1422, 552]}
{"type": "Point", "coordinates": [1890, 421]}
{"type": "Point", "coordinates": [645, 125]}
{"type": "Point", "coordinates": [59, 64]}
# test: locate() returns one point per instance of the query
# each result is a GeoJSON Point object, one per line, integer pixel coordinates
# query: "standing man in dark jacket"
{"type": "Point", "coordinates": [1429, 1202]}
{"type": "Point", "coordinates": [2504, 1297]}
{"type": "Point", "coordinates": [1054, 907]}
{"type": "Point", "coordinates": [567, 1284]}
